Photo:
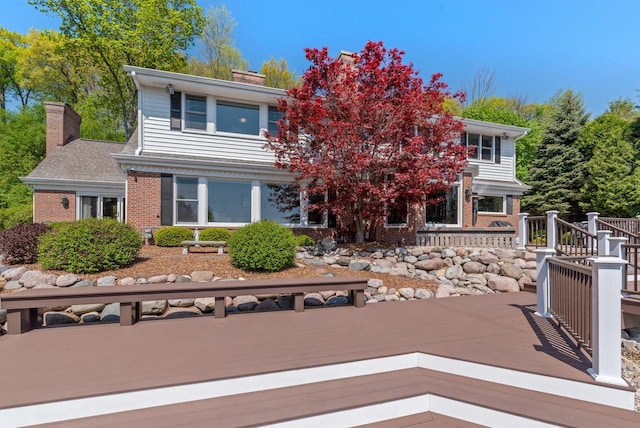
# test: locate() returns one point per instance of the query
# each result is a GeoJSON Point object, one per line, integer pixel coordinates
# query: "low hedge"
{"type": "Point", "coordinates": [172, 236]}
{"type": "Point", "coordinates": [214, 234]}
{"type": "Point", "coordinates": [263, 246]}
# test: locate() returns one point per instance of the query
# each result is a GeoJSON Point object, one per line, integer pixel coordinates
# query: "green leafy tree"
{"type": "Point", "coordinates": [277, 74]}
{"type": "Point", "coordinates": [556, 172]}
{"type": "Point", "coordinates": [112, 33]}
{"type": "Point", "coordinates": [219, 54]}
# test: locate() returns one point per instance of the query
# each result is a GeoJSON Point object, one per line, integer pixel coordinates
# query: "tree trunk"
{"type": "Point", "coordinates": [360, 229]}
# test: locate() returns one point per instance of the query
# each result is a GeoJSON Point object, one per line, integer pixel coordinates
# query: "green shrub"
{"type": "Point", "coordinates": [15, 215]}
{"type": "Point", "coordinates": [172, 236]}
{"type": "Point", "coordinates": [264, 246]}
{"type": "Point", "coordinates": [215, 234]}
{"type": "Point", "coordinates": [19, 244]}
{"type": "Point", "coordinates": [89, 246]}
{"type": "Point", "coordinates": [305, 241]}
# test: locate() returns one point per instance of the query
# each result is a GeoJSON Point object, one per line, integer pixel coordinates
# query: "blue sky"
{"type": "Point", "coordinates": [535, 48]}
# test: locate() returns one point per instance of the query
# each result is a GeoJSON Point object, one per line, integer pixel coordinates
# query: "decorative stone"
{"type": "Point", "coordinates": [422, 293]}
{"type": "Point", "coordinates": [183, 278]}
{"type": "Point", "coordinates": [90, 317]}
{"type": "Point", "coordinates": [172, 277]}
{"type": "Point", "coordinates": [488, 258]}
{"type": "Point", "coordinates": [430, 264]}
{"type": "Point", "coordinates": [14, 274]}
{"type": "Point", "coordinates": [461, 252]}
{"type": "Point", "coordinates": [445, 290]}
{"type": "Point", "coordinates": [59, 318]}
{"type": "Point", "coordinates": [359, 264]}
{"type": "Point", "coordinates": [448, 252]}
{"type": "Point", "coordinates": [158, 279]}
{"type": "Point", "coordinates": [127, 281]}
{"type": "Point", "coordinates": [201, 276]}
{"type": "Point", "coordinates": [375, 283]}
{"type": "Point", "coordinates": [410, 259]}
{"type": "Point", "coordinates": [110, 313]}
{"type": "Point", "coordinates": [416, 252]}
{"type": "Point", "coordinates": [67, 279]}
{"type": "Point", "coordinates": [476, 278]}
{"type": "Point", "coordinates": [424, 275]}
{"type": "Point", "coordinates": [336, 301]}
{"type": "Point", "coordinates": [330, 260]}
{"type": "Point", "coordinates": [142, 281]}
{"type": "Point", "coordinates": [378, 269]}
{"type": "Point", "coordinates": [505, 253]}
{"type": "Point", "coordinates": [503, 283]}
{"type": "Point", "coordinates": [107, 281]}
{"type": "Point", "coordinates": [44, 286]}
{"type": "Point", "coordinates": [474, 267]}
{"type": "Point", "coordinates": [267, 305]}
{"type": "Point", "coordinates": [454, 272]}
{"type": "Point", "coordinates": [313, 299]}
{"type": "Point", "coordinates": [180, 312]}
{"type": "Point", "coordinates": [407, 292]}
{"type": "Point", "coordinates": [181, 303]}
{"type": "Point", "coordinates": [383, 290]}
{"type": "Point", "coordinates": [31, 278]}
{"type": "Point", "coordinates": [391, 298]}
{"type": "Point", "coordinates": [493, 268]}
{"type": "Point", "coordinates": [153, 307]}
{"type": "Point", "coordinates": [530, 265]}
{"type": "Point", "coordinates": [84, 283]}
{"type": "Point", "coordinates": [327, 294]}
{"type": "Point", "coordinates": [511, 270]}
{"type": "Point", "coordinates": [83, 309]}
{"type": "Point", "coordinates": [245, 303]}
{"type": "Point", "coordinates": [383, 263]}
{"type": "Point", "coordinates": [343, 261]}
{"type": "Point", "coordinates": [3, 282]}
{"type": "Point", "coordinates": [205, 304]}
{"type": "Point", "coordinates": [285, 301]}
{"type": "Point", "coordinates": [328, 244]}
{"type": "Point", "coordinates": [400, 269]}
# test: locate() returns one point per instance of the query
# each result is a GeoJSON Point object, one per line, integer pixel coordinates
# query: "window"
{"type": "Point", "coordinates": [398, 215]}
{"type": "Point", "coordinates": [483, 147]}
{"type": "Point", "coordinates": [274, 116]}
{"type": "Point", "coordinates": [491, 204]}
{"type": "Point", "coordinates": [186, 200]}
{"type": "Point", "coordinates": [444, 211]}
{"type": "Point", "coordinates": [238, 118]}
{"type": "Point", "coordinates": [195, 114]}
{"type": "Point", "coordinates": [101, 207]}
{"type": "Point", "coordinates": [176, 111]}
{"type": "Point", "coordinates": [280, 203]}
{"type": "Point", "coordinates": [228, 202]}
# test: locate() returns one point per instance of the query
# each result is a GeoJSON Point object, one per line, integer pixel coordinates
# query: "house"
{"type": "Point", "coordinates": [197, 159]}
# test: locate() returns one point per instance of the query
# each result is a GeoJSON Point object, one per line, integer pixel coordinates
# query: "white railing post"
{"type": "Point", "coordinates": [523, 231]}
{"type": "Point", "coordinates": [542, 281]}
{"type": "Point", "coordinates": [591, 222]}
{"type": "Point", "coordinates": [603, 242]}
{"type": "Point", "coordinates": [605, 294]}
{"type": "Point", "coordinates": [615, 246]}
{"type": "Point", "coordinates": [552, 233]}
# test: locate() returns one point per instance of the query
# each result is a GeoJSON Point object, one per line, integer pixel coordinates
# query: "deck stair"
{"type": "Point", "coordinates": [404, 397]}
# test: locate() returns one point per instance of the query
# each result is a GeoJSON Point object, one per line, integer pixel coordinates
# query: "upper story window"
{"type": "Point", "coordinates": [483, 147]}
{"type": "Point", "coordinates": [238, 118]}
{"type": "Point", "coordinates": [195, 112]}
{"type": "Point", "coordinates": [274, 116]}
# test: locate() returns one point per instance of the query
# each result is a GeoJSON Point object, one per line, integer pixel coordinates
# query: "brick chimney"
{"type": "Point", "coordinates": [252, 77]}
{"type": "Point", "coordinates": [346, 57]}
{"type": "Point", "coordinates": [63, 125]}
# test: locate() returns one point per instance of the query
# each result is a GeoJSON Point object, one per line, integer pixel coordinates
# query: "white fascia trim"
{"type": "Point", "coordinates": [499, 187]}
{"type": "Point", "coordinates": [479, 125]}
{"type": "Point", "coordinates": [74, 185]}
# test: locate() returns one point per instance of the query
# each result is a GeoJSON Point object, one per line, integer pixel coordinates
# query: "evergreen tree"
{"type": "Point", "coordinates": [556, 173]}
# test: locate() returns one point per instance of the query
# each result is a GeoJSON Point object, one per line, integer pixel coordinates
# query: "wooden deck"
{"type": "Point", "coordinates": [55, 364]}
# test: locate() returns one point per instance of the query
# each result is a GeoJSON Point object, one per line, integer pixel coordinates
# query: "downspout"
{"type": "Point", "coordinates": [140, 142]}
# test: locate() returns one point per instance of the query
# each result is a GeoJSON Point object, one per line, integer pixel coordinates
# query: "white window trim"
{"type": "Point", "coordinates": [207, 103]}
{"type": "Point", "coordinates": [99, 211]}
{"type": "Point", "coordinates": [397, 225]}
{"type": "Point", "coordinates": [263, 117]}
{"type": "Point", "coordinates": [504, 205]}
{"type": "Point", "coordinates": [478, 154]}
{"type": "Point", "coordinates": [457, 184]}
{"type": "Point", "coordinates": [175, 202]}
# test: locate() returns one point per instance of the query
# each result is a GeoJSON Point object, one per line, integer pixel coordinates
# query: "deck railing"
{"type": "Point", "coordinates": [631, 253]}
{"type": "Point", "coordinates": [536, 232]}
{"type": "Point", "coordinates": [570, 297]}
{"type": "Point", "coordinates": [495, 237]}
{"type": "Point", "coordinates": [629, 225]}
{"type": "Point", "coordinates": [572, 240]}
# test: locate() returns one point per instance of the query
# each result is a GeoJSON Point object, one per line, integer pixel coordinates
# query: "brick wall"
{"type": "Point", "coordinates": [63, 125]}
{"type": "Point", "coordinates": [49, 208]}
{"type": "Point", "coordinates": [143, 200]}
{"type": "Point", "coordinates": [485, 219]}
{"type": "Point", "coordinates": [252, 77]}
{"type": "Point", "coordinates": [467, 204]}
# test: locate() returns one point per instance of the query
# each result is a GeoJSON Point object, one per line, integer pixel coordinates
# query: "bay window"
{"type": "Point", "coordinates": [99, 206]}
{"type": "Point", "coordinates": [280, 203]}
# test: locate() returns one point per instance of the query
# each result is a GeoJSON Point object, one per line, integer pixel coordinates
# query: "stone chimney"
{"type": "Point", "coordinates": [346, 57]}
{"type": "Point", "coordinates": [63, 125]}
{"type": "Point", "coordinates": [252, 77]}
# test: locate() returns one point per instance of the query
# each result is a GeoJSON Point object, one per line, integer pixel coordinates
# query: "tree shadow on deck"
{"type": "Point", "coordinates": [554, 341]}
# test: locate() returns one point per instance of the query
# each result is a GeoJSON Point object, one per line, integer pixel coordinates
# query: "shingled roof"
{"type": "Point", "coordinates": [81, 160]}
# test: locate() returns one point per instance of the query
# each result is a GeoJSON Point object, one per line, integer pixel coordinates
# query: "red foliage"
{"type": "Point", "coordinates": [369, 130]}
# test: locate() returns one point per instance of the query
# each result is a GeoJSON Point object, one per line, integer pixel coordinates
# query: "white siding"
{"type": "Point", "coordinates": [505, 170]}
{"type": "Point", "coordinates": [159, 138]}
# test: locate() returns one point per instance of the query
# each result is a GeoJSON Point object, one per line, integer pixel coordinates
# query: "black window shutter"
{"type": "Point", "coordinates": [509, 204]}
{"type": "Point", "coordinates": [176, 111]}
{"type": "Point", "coordinates": [166, 200]}
{"type": "Point", "coordinates": [498, 149]}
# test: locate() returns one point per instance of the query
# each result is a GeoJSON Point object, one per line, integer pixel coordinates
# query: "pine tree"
{"type": "Point", "coordinates": [556, 173]}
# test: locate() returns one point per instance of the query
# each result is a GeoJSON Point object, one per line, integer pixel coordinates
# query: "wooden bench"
{"type": "Point", "coordinates": [188, 244]}
{"type": "Point", "coordinates": [22, 307]}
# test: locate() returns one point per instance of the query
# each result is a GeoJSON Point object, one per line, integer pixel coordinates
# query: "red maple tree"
{"type": "Point", "coordinates": [370, 133]}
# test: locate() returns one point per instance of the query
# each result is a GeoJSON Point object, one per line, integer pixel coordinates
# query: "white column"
{"type": "Point", "coordinates": [603, 242]}
{"type": "Point", "coordinates": [542, 281]}
{"type": "Point", "coordinates": [615, 246]}
{"type": "Point", "coordinates": [606, 321]}
{"type": "Point", "coordinates": [522, 231]}
{"type": "Point", "coordinates": [591, 222]}
{"type": "Point", "coordinates": [256, 207]}
{"type": "Point", "coordinates": [552, 234]}
{"type": "Point", "coordinates": [203, 203]}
